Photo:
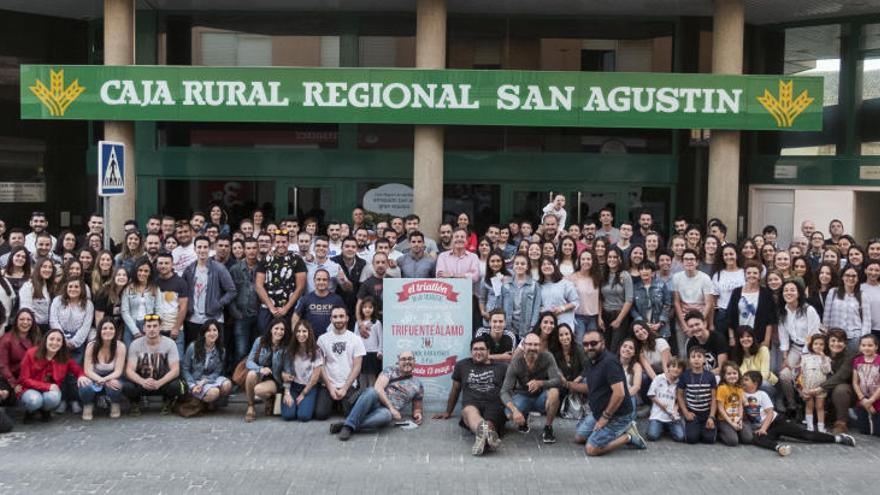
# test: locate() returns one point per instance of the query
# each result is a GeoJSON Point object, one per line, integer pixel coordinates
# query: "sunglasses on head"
{"type": "Point", "coordinates": [151, 318]}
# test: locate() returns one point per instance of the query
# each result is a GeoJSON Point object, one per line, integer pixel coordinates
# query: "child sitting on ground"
{"type": "Point", "coordinates": [664, 413]}
{"type": "Point", "coordinates": [769, 426]}
{"type": "Point", "coordinates": [814, 369]}
{"type": "Point", "coordinates": [730, 397]}
{"type": "Point", "coordinates": [696, 399]}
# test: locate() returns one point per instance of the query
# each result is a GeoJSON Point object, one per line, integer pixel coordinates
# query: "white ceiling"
{"type": "Point", "coordinates": [757, 11]}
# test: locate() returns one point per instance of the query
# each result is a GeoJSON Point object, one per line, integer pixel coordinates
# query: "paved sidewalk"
{"type": "Point", "coordinates": [222, 454]}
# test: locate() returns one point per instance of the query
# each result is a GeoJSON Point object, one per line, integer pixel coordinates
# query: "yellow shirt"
{"type": "Point", "coordinates": [732, 399]}
{"type": "Point", "coordinates": [760, 362]}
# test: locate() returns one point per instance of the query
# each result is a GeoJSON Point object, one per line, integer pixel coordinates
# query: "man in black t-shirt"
{"type": "Point", "coordinates": [173, 300]}
{"type": "Point", "coordinates": [712, 342]}
{"type": "Point", "coordinates": [479, 381]}
{"type": "Point", "coordinates": [611, 423]}
{"type": "Point", "coordinates": [374, 284]}
{"type": "Point", "coordinates": [499, 339]}
{"type": "Point", "coordinates": [280, 281]}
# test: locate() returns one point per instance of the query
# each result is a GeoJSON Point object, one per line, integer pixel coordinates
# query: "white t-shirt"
{"type": "Point", "coordinates": [339, 351]}
{"type": "Point", "coordinates": [183, 257]}
{"type": "Point", "coordinates": [692, 290]}
{"type": "Point", "coordinates": [666, 393]}
{"type": "Point", "coordinates": [373, 343]}
{"type": "Point", "coordinates": [655, 357]}
{"type": "Point", "coordinates": [723, 284]}
{"type": "Point", "coordinates": [303, 367]}
{"type": "Point", "coordinates": [756, 406]}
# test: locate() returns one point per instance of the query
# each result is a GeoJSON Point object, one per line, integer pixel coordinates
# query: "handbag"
{"type": "Point", "coordinates": [574, 406]}
{"type": "Point", "coordinates": [239, 375]}
{"type": "Point", "coordinates": [190, 406]}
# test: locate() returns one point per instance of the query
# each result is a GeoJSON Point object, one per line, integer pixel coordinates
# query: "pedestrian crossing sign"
{"type": "Point", "coordinates": [111, 168]}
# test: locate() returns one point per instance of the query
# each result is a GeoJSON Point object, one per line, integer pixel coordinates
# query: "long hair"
{"type": "Point", "coordinates": [650, 343]}
{"type": "Point", "coordinates": [266, 340]}
{"type": "Point", "coordinates": [37, 280]}
{"type": "Point", "coordinates": [112, 290]}
{"type": "Point", "coordinates": [556, 276]}
{"type": "Point", "coordinates": [595, 271]}
{"type": "Point", "coordinates": [607, 270]}
{"type": "Point", "coordinates": [65, 298]}
{"type": "Point", "coordinates": [553, 338]}
{"type": "Point", "coordinates": [134, 283]}
{"type": "Point", "coordinates": [127, 253]}
{"type": "Point", "coordinates": [719, 265]}
{"type": "Point", "coordinates": [99, 279]}
{"type": "Point", "coordinates": [67, 277]}
{"type": "Point", "coordinates": [371, 301]}
{"type": "Point", "coordinates": [574, 252]}
{"type": "Point", "coordinates": [841, 288]}
{"type": "Point", "coordinates": [635, 358]}
{"type": "Point", "coordinates": [33, 334]}
{"type": "Point", "coordinates": [200, 340]}
{"type": "Point", "coordinates": [26, 269]}
{"type": "Point", "coordinates": [59, 249]}
{"type": "Point", "coordinates": [99, 341]}
{"type": "Point", "coordinates": [309, 347]}
{"type": "Point", "coordinates": [739, 353]}
{"type": "Point", "coordinates": [63, 354]}
{"type": "Point", "coordinates": [629, 265]}
{"type": "Point", "coordinates": [801, 301]}
{"type": "Point", "coordinates": [503, 270]}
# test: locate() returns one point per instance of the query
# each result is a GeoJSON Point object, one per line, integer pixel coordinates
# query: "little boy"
{"type": "Point", "coordinates": [664, 413]}
{"type": "Point", "coordinates": [696, 399]}
{"type": "Point", "coordinates": [770, 426]}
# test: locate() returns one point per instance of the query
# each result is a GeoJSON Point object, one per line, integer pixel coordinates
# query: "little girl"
{"type": "Point", "coordinates": [814, 369]}
{"type": "Point", "coordinates": [370, 330]}
{"type": "Point", "coordinates": [866, 382]}
{"type": "Point", "coordinates": [730, 398]}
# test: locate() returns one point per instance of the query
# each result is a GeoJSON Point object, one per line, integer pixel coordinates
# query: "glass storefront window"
{"type": "Point", "coordinates": [481, 202]}
{"type": "Point", "coordinates": [181, 197]}
{"type": "Point", "coordinates": [387, 51]}
{"type": "Point", "coordinates": [869, 109]}
{"type": "Point", "coordinates": [815, 51]}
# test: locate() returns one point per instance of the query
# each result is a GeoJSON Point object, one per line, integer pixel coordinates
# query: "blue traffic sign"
{"type": "Point", "coordinates": [111, 168]}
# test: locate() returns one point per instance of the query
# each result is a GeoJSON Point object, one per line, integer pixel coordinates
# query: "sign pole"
{"type": "Point", "coordinates": [105, 201]}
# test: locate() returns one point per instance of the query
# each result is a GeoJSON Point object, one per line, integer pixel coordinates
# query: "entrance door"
{"type": "Point", "coordinates": [303, 199]}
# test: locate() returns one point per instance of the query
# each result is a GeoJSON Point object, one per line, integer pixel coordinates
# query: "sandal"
{"type": "Point", "coordinates": [250, 415]}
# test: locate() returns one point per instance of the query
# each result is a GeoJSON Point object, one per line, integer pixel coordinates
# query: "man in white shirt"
{"type": "Point", "coordinates": [343, 353]}
{"type": "Point", "coordinates": [38, 224]}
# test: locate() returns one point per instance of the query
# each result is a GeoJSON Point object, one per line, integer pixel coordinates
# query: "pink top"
{"type": "Point", "coordinates": [467, 263]}
{"type": "Point", "coordinates": [587, 293]}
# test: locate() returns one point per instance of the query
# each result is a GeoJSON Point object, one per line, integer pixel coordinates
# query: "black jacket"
{"type": "Point", "coordinates": [765, 314]}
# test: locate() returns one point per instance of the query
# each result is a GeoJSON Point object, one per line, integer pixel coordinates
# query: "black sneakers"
{"type": "Point", "coordinates": [548, 436]}
{"type": "Point", "coordinates": [345, 433]}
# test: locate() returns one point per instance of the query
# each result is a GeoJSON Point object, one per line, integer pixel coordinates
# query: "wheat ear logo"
{"type": "Point", "coordinates": [785, 109]}
{"type": "Point", "coordinates": [56, 97]}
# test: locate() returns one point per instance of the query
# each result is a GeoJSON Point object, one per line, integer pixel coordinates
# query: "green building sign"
{"type": "Point", "coordinates": [413, 96]}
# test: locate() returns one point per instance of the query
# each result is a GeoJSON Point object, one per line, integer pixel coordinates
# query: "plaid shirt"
{"type": "Point", "coordinates": [848, 314]}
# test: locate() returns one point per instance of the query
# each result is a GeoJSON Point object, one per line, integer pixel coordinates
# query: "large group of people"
{"type": "Point", "coordinates": [708, 338]}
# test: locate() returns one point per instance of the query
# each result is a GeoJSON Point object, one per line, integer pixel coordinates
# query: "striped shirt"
{"type": "Point", "coordinates": [699, 390]}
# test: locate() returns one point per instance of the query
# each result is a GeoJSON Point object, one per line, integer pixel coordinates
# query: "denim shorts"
{"type": "Point", "coordinates": [616, 427]}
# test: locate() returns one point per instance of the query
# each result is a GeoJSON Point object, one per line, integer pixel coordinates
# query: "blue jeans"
{"type": "Point", "coordinates": [34, 400]}
{"type": "Point", "coordinates": [368, 412]}
{"type": "Point", "coordinates": [245, 331]}
{"type": "Point", "coordinates": [695, 431]}
{"type": "Point", "coordinates": [128, 338]}
{"type": "Point", "coordinates": [657, 427]}
{"type": "Point", "coordinates": [305, 409]}
{"type": "Point", "coordinates": [600, 438]}
{"type": "Point", "coordinates": [180, 341]}
{"type": "Point", "coordinates": [528, 403]}
{"type": "Point", "coordinates": [720, 319]}
{"type": "Point", "coordinates": [582, 323]}
{"type": "Point", "coordinates": [88, 394]}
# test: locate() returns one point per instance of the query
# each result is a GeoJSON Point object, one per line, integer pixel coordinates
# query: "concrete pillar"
{"type": "Point", "coordinates": [428, 142]}
{"type": "Point", "coordinates": [727, 58]}
{"type": "Point", "coordinates": [119, 31]}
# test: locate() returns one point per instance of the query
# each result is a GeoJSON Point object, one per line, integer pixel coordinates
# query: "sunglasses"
{"type": "Point", "coordinates": [591, 343]}
{"type": "Point", "coordinates": [151, 318]}
{"type": "Point", "coordinates": [281, 231]}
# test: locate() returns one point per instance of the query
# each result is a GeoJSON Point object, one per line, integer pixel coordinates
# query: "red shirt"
{"type": "Point", "coordinates": [41, 374]}
{"type": "Point", "coordinates": [12, 350]}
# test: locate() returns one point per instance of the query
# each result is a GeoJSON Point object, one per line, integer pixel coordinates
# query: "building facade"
{"type": "Point", "coordinates": [492, 172]}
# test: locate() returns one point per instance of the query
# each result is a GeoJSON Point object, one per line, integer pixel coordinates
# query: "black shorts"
{"type": "Point", "coordinates": [371, 364]}
{"type": "Point", "coordinates": [493, 412]}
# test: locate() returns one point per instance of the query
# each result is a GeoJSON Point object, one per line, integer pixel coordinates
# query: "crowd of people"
{"type": "Point", "coordinates": [708, 338]}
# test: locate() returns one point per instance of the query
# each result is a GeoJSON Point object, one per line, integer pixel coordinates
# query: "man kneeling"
{"type": "Point", "coordinates": [478, 380]}
{"type": "Point", "coordinates": [611, 422]}
{"type": "Point", "coordinates": [395, 388]}
{"type": "Point", "coordinates": [532, 384]}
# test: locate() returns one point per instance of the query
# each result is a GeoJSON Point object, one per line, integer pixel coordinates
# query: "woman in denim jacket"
{"type": "Point", "coordinates": [138, 300]}
{"type": "Point", "coordinates": [265, 365]}
{"type": "Point", "coordinates": [522, 292]}
{"type": "Point", "coordinates": [651, 301]}
{"type": "Point", "coordinates": [202, 366]}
